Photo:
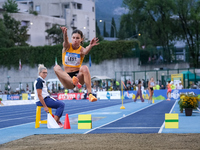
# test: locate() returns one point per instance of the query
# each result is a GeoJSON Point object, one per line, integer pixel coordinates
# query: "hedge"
{"type": "Point", "coordinates": [31, 56]}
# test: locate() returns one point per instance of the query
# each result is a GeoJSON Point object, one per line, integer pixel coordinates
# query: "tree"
{"type": "Point", "coordinates": [163, 22]}
{"type": "Point", "coordinates": [4, 40]}
{"type": "Point", "coordinates": [188, 12]}
{"type": "Point", "coordinates": [11, 6]}
{"type": "Point", "coordinates": [17, 34]}
{"type": "Point", "coordinates": [98, 32]}
{"type": "Point", "coordinates": [55, 33]}
{"type": "Point", "coordinates": [113, 29]}
{"type": "Point", "coordinates": [105, 34]}
{"type": "Point", "coordinates": [127, 27]}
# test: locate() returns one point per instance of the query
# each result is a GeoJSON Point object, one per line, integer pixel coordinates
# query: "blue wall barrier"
{"type": "Point", "coordinates": [17, 97]}
{"type": "Point", "coordinates": [161, 94]}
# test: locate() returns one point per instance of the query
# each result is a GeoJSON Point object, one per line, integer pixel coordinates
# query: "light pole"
{"type": "Point", "coordinates": [113, 28]}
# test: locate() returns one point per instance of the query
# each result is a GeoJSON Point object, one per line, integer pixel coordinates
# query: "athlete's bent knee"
{"type": "Point", "coordinates": [84, 69]}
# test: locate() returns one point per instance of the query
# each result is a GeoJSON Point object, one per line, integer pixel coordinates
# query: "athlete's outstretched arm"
{"type": "Point", "coordinates": [66, 44]}
{"type": "Point", "coordinates": [93, 42]}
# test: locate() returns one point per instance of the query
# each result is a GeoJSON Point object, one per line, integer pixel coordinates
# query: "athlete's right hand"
{"type": "Point", "coordinates": [64, 30]}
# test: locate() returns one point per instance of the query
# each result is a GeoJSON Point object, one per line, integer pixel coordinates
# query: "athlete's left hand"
{"type": "Point", "coordinates": [94, 42]}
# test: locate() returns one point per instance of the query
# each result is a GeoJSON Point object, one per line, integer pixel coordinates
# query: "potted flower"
{"type": "Point", "coordinates": [0, 100]}
{"type": "Point", "coordinates": [188, 102]}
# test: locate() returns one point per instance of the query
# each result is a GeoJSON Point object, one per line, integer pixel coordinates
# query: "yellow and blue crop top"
{"type": "Point", "coordinates": [72, 58]}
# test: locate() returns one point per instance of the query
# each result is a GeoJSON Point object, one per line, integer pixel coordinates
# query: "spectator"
{"type": "Point", "coordinates": [43, 97]}
{"type": "Point", "coordinates": [157, 87]}
{"type": "Point", "coordinates": [162, 87]}
{"type": "Point", "coordinates": [139, 92]}
{"type": "Point", "coordinates": [151, 84]}
{"type": "Point", "coordinates": [169, 90]}
{"type": "Point", "coordinates": [173, 86]}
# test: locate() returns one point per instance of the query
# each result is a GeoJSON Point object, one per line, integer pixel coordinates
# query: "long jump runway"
{"type": "Point", "coordinates": [148, 120]}
{"type": "Point", "coordinates": [19, 121]}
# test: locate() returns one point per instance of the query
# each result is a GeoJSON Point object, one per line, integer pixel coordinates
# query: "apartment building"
{"type": "Point", "coordinates": [74, 14]}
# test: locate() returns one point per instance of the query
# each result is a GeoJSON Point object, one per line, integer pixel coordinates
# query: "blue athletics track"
{"type": "Point", "coordinates": [141, 118]}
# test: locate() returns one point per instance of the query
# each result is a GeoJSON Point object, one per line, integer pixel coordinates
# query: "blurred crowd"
{"type": "Point", "coordinates": [101, 85]}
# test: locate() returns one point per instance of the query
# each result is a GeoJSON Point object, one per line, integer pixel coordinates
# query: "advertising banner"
{"type": "Point", "coordinates": [54, 95]}
{"type": "Point", "coordinates": [108, 94]}
{"type": "Point", "coordinates": [24, 96]}
{"type": "Point", "coordinates": [70, 96]}
{"type": "Point", "coordinates": [13, 97]}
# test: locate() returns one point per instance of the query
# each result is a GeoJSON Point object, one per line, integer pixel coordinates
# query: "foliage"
{"type": "Point", "coordinates": [188, 101]}
{"type": "Point", "coordinates": [32, 56]}
{"type": "Point", "coordinates": [188, 13]}
{"type": "Point", "coordinates": [11, 6]}
{"type": "Point", "coordinates": [98, 32]}
{"type": "Point", "coordinates": [144, 56]}
{"type": "Point", "coordinates": [105, 33]}
{"type": "Point", "coordinates": [127, 27]}
{"type": "Point", "coordinates": [33, 12]}
{"type": "Point", "coordinates": [162, 23]}
{"type": "Point", "coordinates": [108, 50]}
{"type": "Point", "coordinates": [0, 99]}
{"type": "Point", "coordinates": [113, 29]}
{"type": "Point", "coordinates": [55, 33]}
{"type": "Point", "coordinates": [4, 39]}
{"type": "Point", "coordinates": [16, 33]}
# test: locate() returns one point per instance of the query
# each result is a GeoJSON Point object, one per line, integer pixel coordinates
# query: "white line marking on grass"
{"type": "Point", "coordinates": [161, 128]}
{"type": "Point", "coordinates": [121, 117]}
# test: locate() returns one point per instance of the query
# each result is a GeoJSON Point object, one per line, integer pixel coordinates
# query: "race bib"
{"type": "Point", "coordinates": [72, 59]}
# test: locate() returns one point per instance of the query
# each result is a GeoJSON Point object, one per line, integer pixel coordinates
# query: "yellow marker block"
{"type": "Point", "coordinates": [24, 96]}
{"type": "Point", "coordinates": [171, 121]}
{"type": "Point", "coordinates": [85, 121]}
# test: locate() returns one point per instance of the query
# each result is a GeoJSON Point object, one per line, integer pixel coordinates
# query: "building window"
{"type": "Point", "coordinates": [88, 21]}
{"type": "Point", "coordinates": [74, 5]}
{"type": "Point", "coordinates": [92, 9]}
{"type": "Point", "coordinates": [74, 17]}
{"type": "Point", "coordinates": [67, 6]}
{"type": "Point", "coordinates": [25, 23]}
{"type": "Point", "coordinates": [37, 8]}
{"type": "Point", "coordinates": [79, 6]}
{"type": "Point", "coordinates": [88, 34]}
{"type": "Point", "coordinates": [29, 38]}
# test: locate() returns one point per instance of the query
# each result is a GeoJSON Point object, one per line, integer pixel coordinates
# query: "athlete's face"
{"type": "Point", "coordinates": [76, 39]}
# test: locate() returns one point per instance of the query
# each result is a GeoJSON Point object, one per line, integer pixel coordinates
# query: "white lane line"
{"type": "Point", "coordinates": [18, 118]}
{"type": "Point", "coordinates": [17, 126]}
{"type": "Point", "coordinates": [115, 128]}
{"type": "Point", "coordinates": [161, 128]}
{"type": "Point", "coordinates": [121, 117]}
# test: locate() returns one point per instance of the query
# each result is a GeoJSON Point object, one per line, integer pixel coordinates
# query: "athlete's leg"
{"type": "Point", "coordinates": [152, 94]}
{"type": "Point", "coordinates": [64, 78]}
{"type": "Point", "coordinates": [136, 97]}
{"type": "Point", "coordinates": [149, 95]}
{"type": "Point", "coordinates": [84, 77]}
{"type": "Point", "coordinates": [141, 96]}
